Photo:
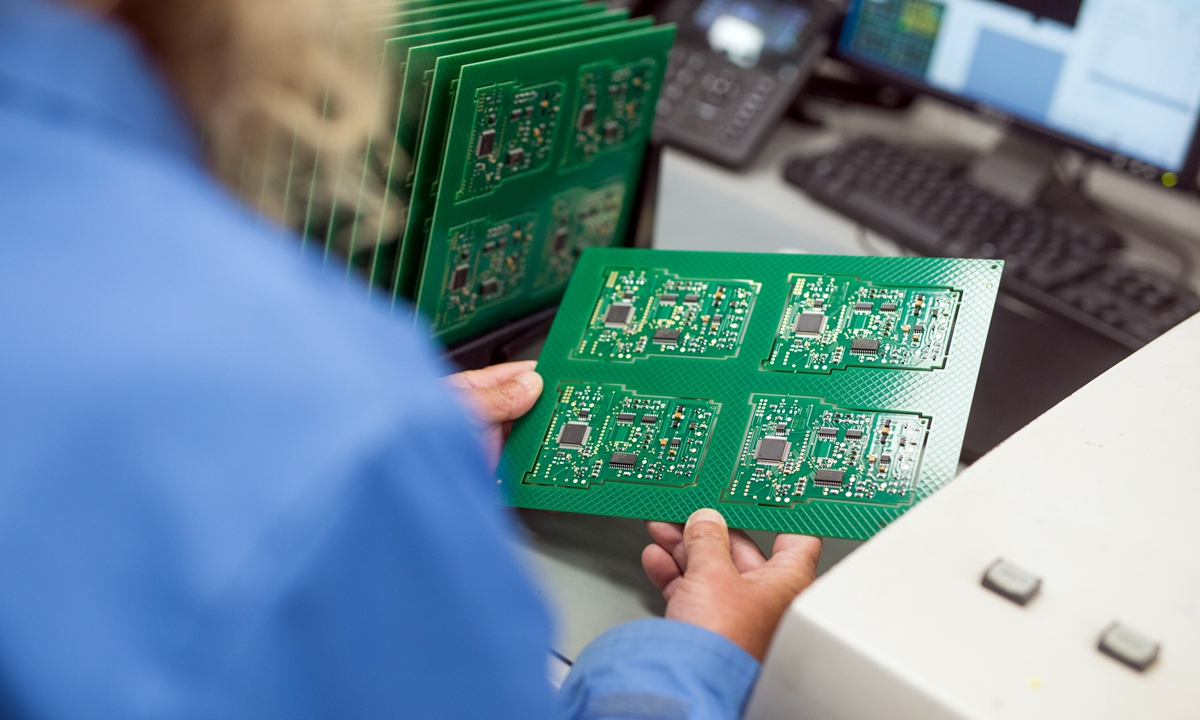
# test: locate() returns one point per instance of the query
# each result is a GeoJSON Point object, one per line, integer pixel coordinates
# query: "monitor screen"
{"type": "Point", "coordinates": [1121, 76]}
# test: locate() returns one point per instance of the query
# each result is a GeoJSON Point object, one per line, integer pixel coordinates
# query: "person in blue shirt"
{"type": "Point", "coordinates": [232, 488]}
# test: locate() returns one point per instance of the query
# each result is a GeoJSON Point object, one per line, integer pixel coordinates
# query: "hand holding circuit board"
{"type": "Point", "coordinates": [819, 395]}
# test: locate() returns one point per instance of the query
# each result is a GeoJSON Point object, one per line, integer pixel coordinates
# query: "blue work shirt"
{"type": "Point", "coordinates": [229, 486]}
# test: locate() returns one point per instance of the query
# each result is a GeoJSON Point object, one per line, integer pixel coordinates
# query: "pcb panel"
{"type": "Point", "coordinates": [644, 312]}
{"type": "Point", "coordinates": [611, 107]}
{"type": "Point", "coordinates": [514, 133]}
{"type": "Point", "coordinates": [834, 322]}
{"type": "Point", "coordinates": [601, 433]}
{"type": "Point", "coordinates": [581, 218]}
{"type": "Point", "coordinates": [799, 448]}
{"type": "Point", "coordinates": [836, 453]}
{"type": "Point", "coordinates": [491, 258]}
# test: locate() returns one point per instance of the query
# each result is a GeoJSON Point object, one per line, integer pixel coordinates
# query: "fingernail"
{"type": "Point", "coordinates": [706, 515]}
{"type": "Point", "coordinates": [530, 380]}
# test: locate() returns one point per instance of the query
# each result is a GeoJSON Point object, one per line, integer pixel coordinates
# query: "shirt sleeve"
{"type": "Point", "coordinates": [659, 670]}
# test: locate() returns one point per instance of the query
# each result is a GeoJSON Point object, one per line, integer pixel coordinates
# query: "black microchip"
{"type": "Point", "coordinates": [818, 303]}
{"type": "Point", "coordinates": [649, 419]}
{"type": "Point", "coordinates": [863, 306]}
{"type": "Point", "coordinates": [458, 281]}
{"type": "Point", "coordinates": [675, 442]}
{"type": "Point", "coordinates": [864, 346]}
{"type": "Point", "coordinates": [668, 298]}
{"type": "Point", "coordinates": [516, 114]}
{"type": "Point", "coordinates": [611, 128]}
{"type": "Point", "coordinates": [781, 428]}
{"type": "Point", "coordinates": [771, 450]}
{"type": "Point", "coordinates": [623, 460]}
{"type": "Point", "coordinates": [626, 417]}
{"type": "Point", "coordinates": [829, 478]}
{"type": "Point", "coordinates": [515, 156]}
{"type": "Point", "coordinates": [854, 434]}
{"type": "Point", "coordinates": [587, 114]}
{"type": "Point", "coordinates": [487, 143]}
{"type": "Point", "coordinates": [489, 287]}
{"type": "Point", "coordinates": [489, 246]}
{"type": "Point", "coordinates": [718, 318]}
{"type": "Point", "coordinates": [691, 299]}
{"type": "Point", "coordinates": [810, 324]}
{"type": "Point", "coordinates": [560, 239]}
{"type": "Point", "coordinates": [583, 413]}
{"type": "Point", "coordinates": [885, 459]}
{"type": "Point", "coordinates": [666, 337]}
{"type": "Point", "coordinates": [628, 295]}
{"type": "Point", "coordinates": [573, 434]}
{"type": "Point", "coordinates": [919, 329]}
{"type": "Point", "coordinates": [618, 314]}
{"type": "Point", "coordinates": [827, 432]}
{"type": "Point", "coordinates": [888, 307]}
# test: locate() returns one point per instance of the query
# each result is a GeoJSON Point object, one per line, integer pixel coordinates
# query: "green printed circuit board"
{"type": "Point", "coordinates": [821, 395]}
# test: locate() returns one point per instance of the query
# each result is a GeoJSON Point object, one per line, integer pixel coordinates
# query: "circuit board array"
{"type": "Point", "coordinates": [515, 139]}
{"type": "Point", "coordinates": [823, 395]}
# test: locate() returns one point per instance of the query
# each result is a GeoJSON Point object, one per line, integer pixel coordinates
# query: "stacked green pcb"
{"type": "Point", "coordinates": [794, 393]}
{"type": "Point", "coordinates": [515, 137]}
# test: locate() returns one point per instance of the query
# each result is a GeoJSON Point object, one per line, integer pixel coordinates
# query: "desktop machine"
{"type": "Point", "coordinates": [1117, 80]}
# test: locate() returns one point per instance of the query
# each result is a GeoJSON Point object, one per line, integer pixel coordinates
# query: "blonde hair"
{"type": "Point", "coordinates": [286, 105]}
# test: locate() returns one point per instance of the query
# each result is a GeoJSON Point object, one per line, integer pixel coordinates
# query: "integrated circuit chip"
{"type": "Point", "coordinates": [623, 460]}
{"type": "Point", "coordinates": [487, 143]}
{"type": "Point", "coordinates": [864, 346]}
{"type": "Point", "coordinates": [827, 433]}
{"type": "Point", "coordinates": [809, 324]}
{"type": "Point", "coordinates": [772, 450]}
{"type": "Point", "coordinates": [829, 478]}
{"type": "Point", "coordinates": [574, 434]}
{"type": "Point", "coordinates": [626, 417]}
{"type": "Point", "coordinates": [618, 315]}
{"type": "Point", "coordinates": [666, 336]}
{"type": "Point", "coordinates": [458, 281]}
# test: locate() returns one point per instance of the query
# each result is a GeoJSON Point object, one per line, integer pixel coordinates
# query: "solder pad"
{"type": "Point", "coordinates": [832, 449]}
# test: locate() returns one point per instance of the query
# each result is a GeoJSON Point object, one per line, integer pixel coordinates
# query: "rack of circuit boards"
{"type": "Point", "coordinates": [516, 134]}
{"type": "Point", "coordinates": [795, 393]}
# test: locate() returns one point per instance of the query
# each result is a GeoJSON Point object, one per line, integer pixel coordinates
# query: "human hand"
{"type": "Point", "coordinates": [498, 395]}
{"type": "Point", "coordinates": [718, 579]}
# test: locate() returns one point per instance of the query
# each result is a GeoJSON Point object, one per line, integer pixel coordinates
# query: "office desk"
{"type": "Point", "coordinates": [589, 566]}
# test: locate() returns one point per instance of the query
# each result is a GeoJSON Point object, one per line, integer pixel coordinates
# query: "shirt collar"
{"type": "Point", "coordinates": [64, 65]}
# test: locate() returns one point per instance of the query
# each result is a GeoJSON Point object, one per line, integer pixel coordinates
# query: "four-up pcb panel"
{"type": "Point", "coordinates": [822, 395]}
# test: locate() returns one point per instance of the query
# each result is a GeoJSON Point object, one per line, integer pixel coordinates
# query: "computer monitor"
{"type": "Point", "coordinates": [1119, 79]}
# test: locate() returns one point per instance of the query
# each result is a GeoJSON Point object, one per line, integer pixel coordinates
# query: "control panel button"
{"type": "Point", "coordinates": [1011, 582]}
{"type": "Point", "coordinates": [1128, 646]}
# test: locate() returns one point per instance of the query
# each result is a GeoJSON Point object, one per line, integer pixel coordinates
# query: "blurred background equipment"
{"type": "Point", "coordinates": [735, 68]}
{"type": "Point", "coordinates": [1108, 79]}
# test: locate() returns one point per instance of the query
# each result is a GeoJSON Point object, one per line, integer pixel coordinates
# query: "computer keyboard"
{"type": "Point", "coordinates": [1052, 261]}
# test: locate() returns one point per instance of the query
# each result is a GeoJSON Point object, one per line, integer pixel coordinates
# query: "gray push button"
{"type": "Point", "coordinates": [1128, 646]}
{"type": "Point", "coordinates": [1011, 582]}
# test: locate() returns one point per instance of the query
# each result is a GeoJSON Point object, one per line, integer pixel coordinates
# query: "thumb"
{"type": "Point", "coordinates": [508, 401]}
{"type": "Point", "coordinates": [793, 562]}
{"type": "Point", "coordinates": [706, 543]}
